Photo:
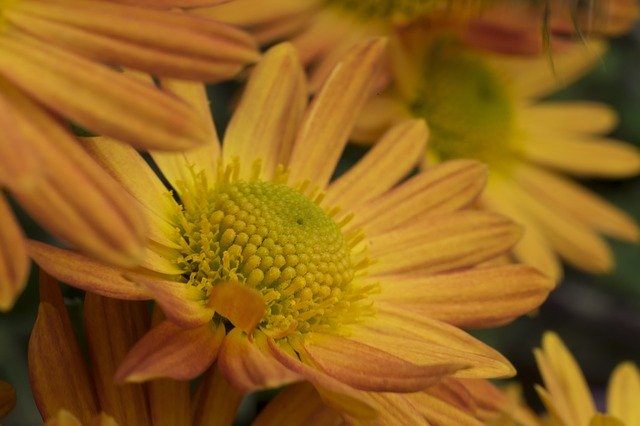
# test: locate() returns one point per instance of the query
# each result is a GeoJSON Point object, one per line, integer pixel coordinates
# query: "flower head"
{"type": "Point", "coordinates": [255, 268]}
{"type": "Point", "coordinates": [58, 61]}
{"type": "Point", "coordinates": [487, 107]}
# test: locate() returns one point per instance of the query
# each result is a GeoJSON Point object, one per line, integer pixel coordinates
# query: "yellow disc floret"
{"type": "Point", "coordinates": [466, 104]}
{"type": "Point", "coordinates": [277, 240]}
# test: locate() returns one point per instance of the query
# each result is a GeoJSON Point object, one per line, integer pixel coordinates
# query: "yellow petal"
{"type": "Point", "coordinates": [580, 117]}
{"type": "Point", "coordinates": [436, 411]}
{"type": "Point", "coordinates": [172, 352]}
{"type": "Point", "coordinates": [14, 261]}
{"type": "Point", "coordinates": [249, 366]}
{"type": "Point", "coordinates": [460, 240]}
{"type": "Point", "coordinates": [485, 297]}
{"type": "Point", "coordinates": [112, 327]}
{"type": "Point", "coordinates": [103, 419]}
{"type": "Point", "coordinates": [577, 202]}
{"type": "Point", "coordinates": [264, 125]}
{"type": "Point", "coordinates": [84, 273]}
{"type": "Point", "coordinates": [330, 118]}
{"type": "Point", "coordinates": [63, 418]}
{"type": "Point", "coordinates": [132, 37]}
{"type": "Point", "coordinates": [604, 420]}
{"type": "Point", "coordinates": [120, 106]}
{"type": "Point", "coordinates": [623, 393]}
{"type": "Point", "coordinates": [56, 363]}
{"type": "Point", "coordinates": [564, 381]}
{"type": "Point", "coordinates": [184, 305]}
{"type": "Point", "coordinates": [243, 306]}
{"type": "Point", "coordinates": [369, 368]}
{"type": "Point", "coordinates": [390, 160]}
{"type": "Point", "coordinates": [438, 190]}
{"type": "Point", "coordinates": [7, 398]}
{"type": "Point", "coordinates": [297, 404]}
{"type": "Point", "coordinates": [215, 402]}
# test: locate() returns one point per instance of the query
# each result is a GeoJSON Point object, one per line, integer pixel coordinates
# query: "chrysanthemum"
{"type": "Point", "coordinates": [7, 398]}
{"type": "Point", "coordinates": [488, 108]}
{"type": "Point", "coordinates": [68, 389]}
{"type": "Point", "coordinates": [566, 394]}
{"type": "Point", "coordinates": [57, 62]}
{"type": "Point", "coordinates": [254, 266]}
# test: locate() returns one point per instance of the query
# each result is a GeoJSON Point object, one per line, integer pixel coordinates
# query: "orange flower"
{"type": "Point", "coordinates": [253, 267]}
{"type": "Point", "coordinates": [52, 67]}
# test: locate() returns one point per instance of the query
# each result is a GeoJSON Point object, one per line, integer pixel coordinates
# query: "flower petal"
{"type": "Point", "coordinates": [14, 261]}
{"type": "Point", "coordinates": [215, 401]}
{"type": "Point", "coordinates": [84, 273]}
{"type": "Point", "coordinates": [270, 112]}
{"type": "Point", "coordinates": [169, 402]}
{"type": "Point", "coordinates": [486, 297]}
{"type": "Point", "coordinates": [240, 304]}
{"type": "Point", "coordinates": [369, 368]}
{"type": "Point", "coordinates": [622, 393]}
{"type": "Point", "coordinates": [437, 190]}
{"type": "Point", "coordinates": [112, 327]}
{"type": "Point", "coordinates": [173, 352]}
{"type": "Point", "coordinates": [390, 160]}
{"type": "Point", "coordinates": [459, 240]}
{"type": "Point", "coordinates": [330, 118]}
{"type": "Point", "coordinates": [248, 365]}
{"type": "Point", "coordinates": [7, 398]}
{"type": "Point", "coordinates": [439, 412]}
{"type": "Point", "coordinates": [63, 418]}
{"type": "Point", "coordinates": [183, 304]}
{"type": "Point", "coordinates": [605, 420]}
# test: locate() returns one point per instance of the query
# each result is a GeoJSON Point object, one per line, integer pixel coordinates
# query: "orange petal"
{"type": "Point", "coordinates": [183, 304]}
{"type": "Point", "coordinates": [330, 118]}
{"type": "Point", "coordinates": [460, 240]}
{"type": "Point", "coordinates": [240, 304]}
{"type": "Point", "coordinates": [368, 368]}
{"type": "Point", "coordinates": [63, 418]}
{"type": "Point", "coordinates": [215, 402]}
{"type": "Point", "coordinates": [56, 363]}
{"type": "Point", "coordinates": [390, 160]}
{"type": "Point", "coordinates": [14, 261]}
{"type": "Point", "coordinates": [112, 327]}
{"type": "Point", "coordinates": [7, 398]}
{"type": "Point", "coordinates": [442, 189]}
{"type": "Point", "coordinates": [169, 402]}
{"type": "Point", "coordinates": [439, 412]}
{"type": "Point", "coordinates": [248, 366]}
{"type": "Point", "coordinates": [298, 404]}
{"type": "Point", "coordinates": [121, 106]}
{"type": "Point", "coordinates": [173, 352]}
{"type": "Point", "coordinates": [84, 273]}
{"type": "Point", "coordinates": [485, 297]}
{"type": "Point", "coordinates": [270, 111]}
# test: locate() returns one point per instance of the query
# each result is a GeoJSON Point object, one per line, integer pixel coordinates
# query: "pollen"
{"type": "Point", "coordinates": [466, 104]}
{"type": "Point", "coordinates": [278, 240]}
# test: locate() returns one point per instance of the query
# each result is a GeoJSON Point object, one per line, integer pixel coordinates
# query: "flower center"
{"type": "Point", "coordinates": [465, 103]}
{"type": "Point", "coordinates": [396, 9]}
{"type": "Point", "coordinates": [279, 241]}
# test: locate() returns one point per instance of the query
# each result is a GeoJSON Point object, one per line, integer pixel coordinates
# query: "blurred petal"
{"type": "Point", "coordinates": [604, 420]}
{"type": "Point", "coordinates": [169, 402]}
{"type": "Point", "coordinates": [215, 402]}
{"type": "Point", "coordinates": [7, 398]}
{"type": "Point", "coordinates": [623, 393]}
{"type": "Point", "coordinates": [172, 352]}
{"type": "Point", "coordinates": [14, 261]}
{"type": "Point", "coordinates": [63, 418]}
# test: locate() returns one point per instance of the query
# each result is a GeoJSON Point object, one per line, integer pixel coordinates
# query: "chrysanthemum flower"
{"type": "Point", "coordinates": [254, 267]}
{"type": "Point", "coordinates": [566, 394]}
{"type": "Point", "coordinates": [56, 60]}
{"type": "Point", "coordinates": [7, 398]}
{"type": "Point", "coordinates": [69, 391]}
{"type": "Point", "coordinates": [487, 108]}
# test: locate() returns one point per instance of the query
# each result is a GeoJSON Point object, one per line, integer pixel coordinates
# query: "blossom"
{"type": "Point", "coordinates": [69, 391]}
{"type": "Point", "coordinates": [256, 268]}
{"type": "Point", "coordinates": [566, 394]}
{"type": "Point", "coordinates": [488, 107]}
{"type": "Point", "coordinates": [57, 62]}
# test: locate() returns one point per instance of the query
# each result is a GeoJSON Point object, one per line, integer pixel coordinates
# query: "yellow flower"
{"type": "Point", "coordinates": [53, 57]}
{"type": "Point", "coordinates": [69, 391]}
{"type": "Point", "coordinates": [7, 398]}
{"type": "Point", "coordinates": [255, 267]}
{"type": "Point", "coordinates": [487, 107]}
{"type": "Point", "coordinates": [567, 397]}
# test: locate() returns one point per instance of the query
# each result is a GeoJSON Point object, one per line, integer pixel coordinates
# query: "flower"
{"type": "Point", "coordinates": [7, 398]}
{"type": "Point", "coordinates": [57, 366]}
{"type": "Point", "coordinates": [52, 67]}
{"type": "Point", "coordinates": [255, 268]}
{"type": "Point", "coordinates": [488, 107]}
{"type": "Point", "coordinates": [566, 394]}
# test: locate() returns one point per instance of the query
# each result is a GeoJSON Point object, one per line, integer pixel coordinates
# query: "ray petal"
{"type": "Point", "coordinates": [622, 393]}
{"type": "Point", "coordinates": [14, 260]}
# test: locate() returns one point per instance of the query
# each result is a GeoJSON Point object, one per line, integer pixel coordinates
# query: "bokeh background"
{"type": "Point", "coordinates": [597, 316]}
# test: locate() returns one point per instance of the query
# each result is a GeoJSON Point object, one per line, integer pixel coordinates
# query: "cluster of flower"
{"type": "Point", "coordinates": [266, 267]}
